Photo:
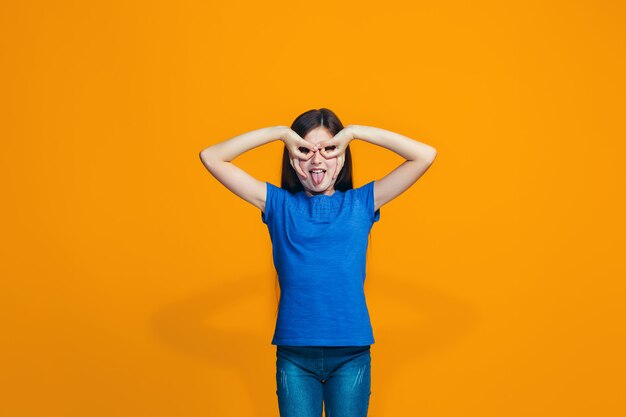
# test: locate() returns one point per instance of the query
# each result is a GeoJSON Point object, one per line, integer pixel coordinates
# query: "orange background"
{"type": "Point", "coordinates": [134, 284]}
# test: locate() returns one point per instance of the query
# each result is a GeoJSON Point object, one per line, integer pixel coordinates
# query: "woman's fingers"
{"type": "Point", "coordinates": [303, 143]}
{"type": "Point", "coordinates": [306, 152]}
{"type": "Point", "coordinates": [296, 164]}
{"type": "Point", "coordinates": [333, 152]}
{"type": "Point", "coordinates": [303, 150]}
{"type": "Point", "coordinates": [330, 148]}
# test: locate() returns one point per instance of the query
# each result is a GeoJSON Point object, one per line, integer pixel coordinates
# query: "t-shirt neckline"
{"type": "Point", "coordinates": [304, 194]}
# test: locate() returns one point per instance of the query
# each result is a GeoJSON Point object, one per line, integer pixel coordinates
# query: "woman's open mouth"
{"type": "Point", "coordinates": [318, 175]}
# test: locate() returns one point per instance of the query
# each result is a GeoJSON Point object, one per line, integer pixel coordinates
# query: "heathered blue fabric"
{"type": "Point", "coordinates": [319, 248]}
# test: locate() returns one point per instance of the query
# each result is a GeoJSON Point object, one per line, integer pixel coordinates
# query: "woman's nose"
{"type": "Point", "coordinates": [317, 156]}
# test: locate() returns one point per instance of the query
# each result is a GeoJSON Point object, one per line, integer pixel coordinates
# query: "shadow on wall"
{"type": "Point", "coordinates": [417, 322]}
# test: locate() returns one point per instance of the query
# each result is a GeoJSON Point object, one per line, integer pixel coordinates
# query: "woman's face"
{"type": "Point", "coordinates": [319, 183]}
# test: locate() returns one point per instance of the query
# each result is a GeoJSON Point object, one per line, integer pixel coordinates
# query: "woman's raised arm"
{"type": "Point", "coordinates": [419, 157]}
{"type": "Point", "coordinates": [216, 159]}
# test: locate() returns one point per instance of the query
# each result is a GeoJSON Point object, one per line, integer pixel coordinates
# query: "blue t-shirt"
{"type": "Point", "coordinates": [319, 246]}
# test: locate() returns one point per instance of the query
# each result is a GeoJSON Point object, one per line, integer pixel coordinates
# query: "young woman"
{"type": "Point", "coordinates": [319, 225]}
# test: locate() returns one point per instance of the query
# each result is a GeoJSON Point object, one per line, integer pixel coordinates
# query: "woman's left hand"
{"type": "Point", "coordinates": [336, 146]}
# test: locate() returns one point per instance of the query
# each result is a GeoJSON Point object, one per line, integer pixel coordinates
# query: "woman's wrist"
{"type": "Point", "coordinates": [280, 132]}
{"type": "Point", "coordinates": [353, 129]}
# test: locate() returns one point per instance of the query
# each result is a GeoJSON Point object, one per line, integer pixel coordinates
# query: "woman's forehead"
{"type": "Point", "coordinates": [318, 135]}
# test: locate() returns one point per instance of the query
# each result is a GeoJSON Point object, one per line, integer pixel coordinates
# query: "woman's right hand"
{"type": "Point", "coordinates": [298, 148]}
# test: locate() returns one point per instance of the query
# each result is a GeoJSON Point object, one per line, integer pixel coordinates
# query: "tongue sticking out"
{"type": "Point", "coordinates": [317, 177]}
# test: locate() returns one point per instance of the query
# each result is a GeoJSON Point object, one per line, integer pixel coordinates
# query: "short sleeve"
{"type": "Point", "coordinates": [366, 195]}
{"type": "Point", "coordinates": [272, 195]}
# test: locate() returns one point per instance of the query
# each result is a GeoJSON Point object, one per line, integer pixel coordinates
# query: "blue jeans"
{"type": "Point", "coordinates": [338, 376]}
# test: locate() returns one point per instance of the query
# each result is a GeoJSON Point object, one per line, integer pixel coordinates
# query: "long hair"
{"type": "Point", "coordinates": [302, 125]}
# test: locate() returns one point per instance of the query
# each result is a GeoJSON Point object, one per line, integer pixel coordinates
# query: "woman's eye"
{"type": "Point", "coordinates": [303, 149]}
{"type": "Point", "coordinates": [330, 148]}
